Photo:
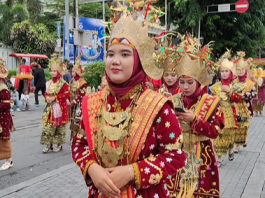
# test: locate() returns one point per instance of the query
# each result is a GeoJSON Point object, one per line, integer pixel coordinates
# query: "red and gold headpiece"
{"type": "Point", "coordinates": [78, 67]}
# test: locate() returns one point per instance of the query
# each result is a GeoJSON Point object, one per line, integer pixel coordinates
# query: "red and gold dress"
{"type": "Point", "coordinates": [200, 177]}
{"type": "Point", "coordinates": [244, 92]}
{"type": "Point", "coordinates": [55, 115]}
{"type": "Point", "coordinates": [153, 147]}
{"type": "Point", "coordinates": [78, 89]}
{"type": "Point", "coordinates": [5, 122]}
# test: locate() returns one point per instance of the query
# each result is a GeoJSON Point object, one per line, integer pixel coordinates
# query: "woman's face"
{"type": "Point", "coordinates": [240, 71]}
{"type": "Point", "coordinates": [225, 73]}
{"type": "Point", "coordinates": [258, 71]}
{"type": "Point", "coordinates": [53, 73]}
{"type": "Point", "coordinates": [170, 78]}
{"type": "Point", "coordinates": [119, 63]}
{"type": "Point", "coordinates": [187, 86]}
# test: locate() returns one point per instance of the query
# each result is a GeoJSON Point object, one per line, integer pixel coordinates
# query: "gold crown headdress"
{"type": "Point", "coordinates": [224, 62]}
{"type": "Point", "coordinates": [240, 62]}
{"type": "Point", "coordinates": [78, 67]}
{"type": "Point", "coordinates": [195, 63]}
{"type": "Point", "coordinates": [167, 57]}
{"type": "Point", "coordinates": [57, 65]}
{"type": "Point", "coordinates": [137, 34]}
{"type": "Point", "coordinates": [3, 69]}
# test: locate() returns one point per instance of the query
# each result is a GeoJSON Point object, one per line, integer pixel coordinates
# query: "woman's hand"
{"type": "Point", "coordinates": [225, 88]}
{"type": "Point", "coordinates": [120, 175]}
{"type": "Point", "coordinates": [186, 117]}
{"type": "Point", "coordinates": [102, 181]}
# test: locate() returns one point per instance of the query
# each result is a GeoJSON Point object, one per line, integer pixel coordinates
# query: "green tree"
{"type": "Point", "coordinates": [94, 10]}
{"type": "Point", "coordinates": [229, 30]}
{"type": "Point", "coordinates": [36, 39]}
{"type": "Point", "coordinates": [9, 14]}
{"type": "Point", "coordinates": [94, 73]}
{"type": "Point", "coordinates": [34, 8]}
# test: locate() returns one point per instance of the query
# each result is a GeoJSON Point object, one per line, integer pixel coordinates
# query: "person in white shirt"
{"type": "Point", "coordinates": [25, 100]}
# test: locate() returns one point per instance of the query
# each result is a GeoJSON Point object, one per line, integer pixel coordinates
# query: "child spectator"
{"type": "Point", "coordinates": [14, 97]}
{"type": "Point", "coordinates": [25, 100]}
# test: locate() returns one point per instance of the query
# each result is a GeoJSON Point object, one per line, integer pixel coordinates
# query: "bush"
{"type": "Point", "coordinates": [47, 74]}
{"type": "Point", "coordinates": [12, 72]}
{"type": "Point", "coordinates": [94, 73]}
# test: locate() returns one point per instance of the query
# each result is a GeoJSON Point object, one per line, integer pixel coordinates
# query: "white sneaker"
{"type": "Point", "coordinates": [11, 110]}
{"type": "Point", "coordinates": [6, 165]}
{"type": "Point", "coordinates": [18, 109]}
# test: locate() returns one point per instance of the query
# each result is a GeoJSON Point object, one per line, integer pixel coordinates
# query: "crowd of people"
{"type": "Point", "coordinates": [158, 126]}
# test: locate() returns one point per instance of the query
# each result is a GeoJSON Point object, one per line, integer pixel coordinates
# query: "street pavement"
{"type": "Point", "coordinates": [37, 175]}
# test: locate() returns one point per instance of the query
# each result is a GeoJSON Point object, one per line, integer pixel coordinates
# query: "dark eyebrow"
{"type": "Point", "coordinates": [124, 50]}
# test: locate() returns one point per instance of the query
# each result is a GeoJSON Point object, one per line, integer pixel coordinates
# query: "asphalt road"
{"type": "Point", "coordinates": [29, 161]}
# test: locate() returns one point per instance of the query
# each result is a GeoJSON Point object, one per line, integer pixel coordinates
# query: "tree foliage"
{"type": "Point", "coordinates": [9, 14]}
{"type": "Point", "coordinates": [35, 39]}
{"type": "Point", "coordinates": [229, 30]}
{"type": "Point", "coordinates": [94, 73]}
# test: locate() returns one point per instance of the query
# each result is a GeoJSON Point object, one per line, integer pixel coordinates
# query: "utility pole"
{"type": "Point", "coordinates": [66, 31]}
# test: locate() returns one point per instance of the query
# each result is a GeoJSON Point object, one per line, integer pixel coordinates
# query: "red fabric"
{"type": "Point", "coordinates": [24, 68]}
{"type": "Point", "coordinates": [228, 80]}
{"type": "Point", "coordinates": [156, 83]}
{"type": "Point", "coordinates": [243, 78]}
{"type": "Point", "coordinates": [158, 136]}
{"type": "Point", "coordinates": [77, 77]}
{"type": "Point", "coordinates": [192, 99]}
{"type": "Point", "coordinates": [55, 79]}
{"type": "Point", "coordinates": [172, 89]}
{"type": "Point", "coordinates": [5, 116]}
{"type": "Point", "coordinates": [138, 76]}
{"type": "Point", "coordinates": [61, 98]}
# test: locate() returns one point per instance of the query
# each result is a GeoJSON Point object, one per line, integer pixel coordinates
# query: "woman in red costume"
{"type": "Point", "coordinates": [133, 139]}
{"type": "Point", "coordinates": [200, 120]}
{"type": "Point", "coordinates": [246, 91]}
{"type": "Point", "coordinates": [55, 115]}
{"type": "Point", "coordinates": [78, 89]}
{"type": "Point", "coordinates": [5, 119]}
{"type": "Point", "coordinates": [225, 141]}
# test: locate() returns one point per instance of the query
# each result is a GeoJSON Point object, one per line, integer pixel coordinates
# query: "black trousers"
{"type": "Point", "coordinates": [20, 88]}
{"type": "Point", "coordinates": [43, 89]}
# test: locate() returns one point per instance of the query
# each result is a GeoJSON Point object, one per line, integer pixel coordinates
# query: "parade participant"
{"type": "Point", "coordinates": [200, 119]}
{"type": "Point", "coordinates": [258, 102]}
{"type": "Point", "coordinates": [5, 119]}
{"type": "Point", "coordinates": [133, 139]}
{"type": "Point", "coordinates": [78, 89]}
{"type": "Point", "coordinates": [168, 63]}
{"type": "Point", "coordinates": [225, 141]}
{"type": "Point", "coordinates": [23, 71]}
{"type": "Point", "coordinates": [55, 115]}
{"type": "Point", "coordinates": [246, 91]}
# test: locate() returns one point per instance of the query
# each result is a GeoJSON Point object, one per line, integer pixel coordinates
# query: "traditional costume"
{"type": "Point", "coordinates": [200, 177]}
{"type": "Point", "coordinates": [55, 115]}
{"type": "Point", "coordinates": [78, 89]}
{"type": "Point", "coordinates": [130, 125]}
{"type": "Point", "coordinates": [259, 101]}
{"type": "Point", "coordinates": [245, 91]}
{"type": "Point", "coordinates": [168, 63]}
{"type": "Point", "coordinates": [6, 122]}
{"type": "Point", "coordinates": [225, 141]}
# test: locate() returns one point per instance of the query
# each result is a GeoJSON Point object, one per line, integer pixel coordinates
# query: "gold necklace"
{"type": "Point", "coordinates": [112, 133]}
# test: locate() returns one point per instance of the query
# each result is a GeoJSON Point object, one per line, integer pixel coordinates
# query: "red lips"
{"type": "Point", "coordinates": [115, 70]}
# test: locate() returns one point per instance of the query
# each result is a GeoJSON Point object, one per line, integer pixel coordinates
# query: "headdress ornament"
{"type": "Point", "coordinates": [242, 63]}
{"type": "Point", "coordinates": [78, 67]}
{"type": "Point", "coordinates": [195, 63]}
{"type": "Point", "coordinates": [225, 62]}
{"type": "Point", "coordinates": [137, 35]}
{"type": "Point", "coordinates": [3, 69]}
{"type": "Point", "coordinates": [167, 57]}
{"type": "Point", "coordinates": [56, 64]}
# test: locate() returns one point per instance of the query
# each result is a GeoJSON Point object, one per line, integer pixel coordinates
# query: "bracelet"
{"type": "Point", "coordinates": [131, 172]}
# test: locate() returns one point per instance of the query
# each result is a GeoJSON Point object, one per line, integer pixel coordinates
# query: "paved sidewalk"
{"type": "Point", "coordinates": [244, 177]}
